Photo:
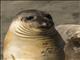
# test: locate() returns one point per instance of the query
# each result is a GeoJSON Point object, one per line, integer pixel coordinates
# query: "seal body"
{"type": "Point", "coordinates": [32, 36]}
{"type": "Point", "coordinates": [71, 36]}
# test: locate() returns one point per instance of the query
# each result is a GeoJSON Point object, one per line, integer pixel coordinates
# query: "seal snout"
{"type": "Point", "coordinates": [46, 24]}
{"type": "Point", "coordinates": [37, 19]}
{"type": "Point", "coordinates": [45, 21]}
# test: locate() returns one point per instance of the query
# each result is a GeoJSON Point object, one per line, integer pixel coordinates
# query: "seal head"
{"type": "Point", "coordinates": [35, 19]}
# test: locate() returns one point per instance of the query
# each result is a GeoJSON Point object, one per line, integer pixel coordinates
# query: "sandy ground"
{"type": "Point", "coordinates": [63, 12]}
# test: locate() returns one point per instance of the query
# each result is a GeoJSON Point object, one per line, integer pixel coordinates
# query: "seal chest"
{"type": "Point", "coordinates": [32, 36]}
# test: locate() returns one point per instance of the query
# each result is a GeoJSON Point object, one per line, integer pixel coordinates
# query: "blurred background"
{"type": "Point", "coordinates": [63, 12]}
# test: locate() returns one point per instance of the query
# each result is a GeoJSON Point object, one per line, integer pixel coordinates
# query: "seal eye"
{"type": "Point", "coordinates": [48, 16]}
{"type": "Point", "coordinates": [76, 43]}
{"type": "Point", "coordinates": [29, 17]}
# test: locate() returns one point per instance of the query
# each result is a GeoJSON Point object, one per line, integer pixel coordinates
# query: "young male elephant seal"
{"type": "Point", "coordinates": [32, 36]}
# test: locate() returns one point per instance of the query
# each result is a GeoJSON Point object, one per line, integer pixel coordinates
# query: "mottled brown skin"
{"type": "Point", "coordinates": [32, 36]}
{"type": "Point", "coordinates": [71, 36]}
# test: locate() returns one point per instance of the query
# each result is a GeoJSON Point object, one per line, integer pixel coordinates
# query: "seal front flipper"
{"type": "Point", "coordinates": [13, 58]}
{"type": "Point", "coordinates": [9, 57]}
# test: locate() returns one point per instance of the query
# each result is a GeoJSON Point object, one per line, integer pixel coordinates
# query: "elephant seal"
{"type": "Point", "coordinates": [71, 36]}
{"type": "Point", "coordinates": [32, 36]}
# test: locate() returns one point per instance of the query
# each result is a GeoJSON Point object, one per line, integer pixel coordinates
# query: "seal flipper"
{"type": "Point", "coordinates": [13, 58]}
